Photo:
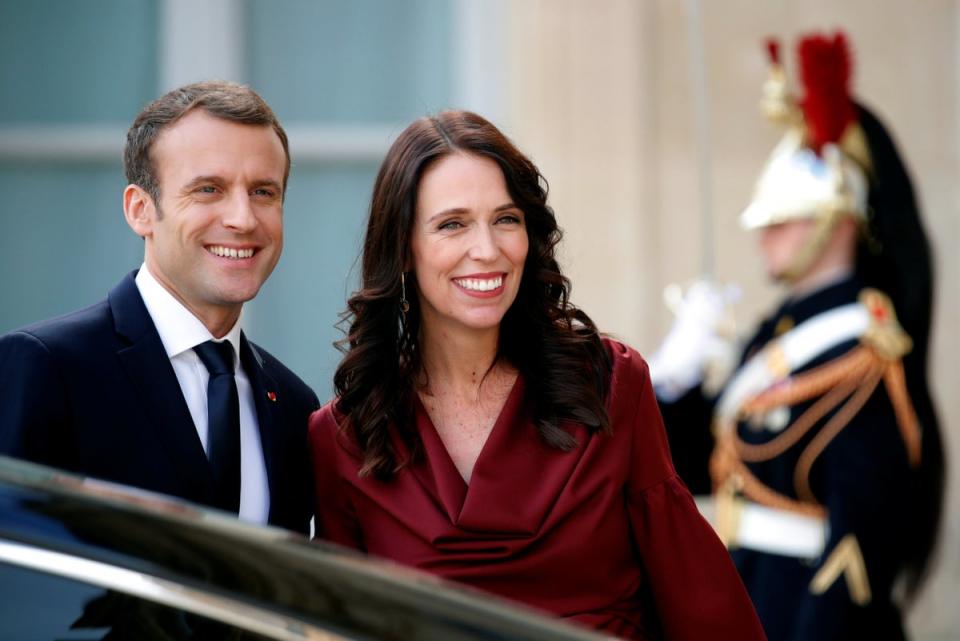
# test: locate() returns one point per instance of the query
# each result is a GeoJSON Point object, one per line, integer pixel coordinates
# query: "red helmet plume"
{"type": "Point", "coordinates": [825, 70]}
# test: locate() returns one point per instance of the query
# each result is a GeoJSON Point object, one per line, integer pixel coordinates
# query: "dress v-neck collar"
{"type": "Point", "coordinates": [491, 502]}
{"type": "Point", "coordinates": [439, 457]}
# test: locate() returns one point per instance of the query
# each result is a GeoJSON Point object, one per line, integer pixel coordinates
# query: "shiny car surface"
{"type": "Point", "coordinates": [82, 559]}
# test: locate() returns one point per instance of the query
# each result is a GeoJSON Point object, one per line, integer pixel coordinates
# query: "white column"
{"type": "Point", "coordinates": [200, 41]}
{"type": "Point", "coordinates": [478, 48]}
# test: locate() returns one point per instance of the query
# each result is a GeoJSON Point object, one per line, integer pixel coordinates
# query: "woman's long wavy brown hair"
{"type": "Point", "coordinates": [554, 345]}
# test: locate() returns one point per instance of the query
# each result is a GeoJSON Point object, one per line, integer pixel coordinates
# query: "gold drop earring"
{"type": "Point", "coordinates": [404, 304]}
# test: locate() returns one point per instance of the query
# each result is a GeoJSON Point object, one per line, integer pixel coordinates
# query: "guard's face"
{"type": "Point", "coordinates": [218, 230]}
{"type": "Point", "coordinates": [469, 244]}
{"type": "Point", "coordinates": [781, 244]}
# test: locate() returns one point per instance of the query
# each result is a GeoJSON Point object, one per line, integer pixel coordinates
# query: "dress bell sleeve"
{"type": "Point", "coordinates": [336, 519]}
{"type": "Point", "coordinates": [694, 584]}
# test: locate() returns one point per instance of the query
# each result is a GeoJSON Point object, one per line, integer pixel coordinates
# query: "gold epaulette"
{"type": "Point", "coordinates": [884, 335]}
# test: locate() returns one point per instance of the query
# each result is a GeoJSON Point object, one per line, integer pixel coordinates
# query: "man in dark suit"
{"type": "Point", "coordinates": [126, 390]}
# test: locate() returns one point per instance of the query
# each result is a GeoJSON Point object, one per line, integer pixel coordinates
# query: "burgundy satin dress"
{"type": "Point", "coordinates": [606, 535]}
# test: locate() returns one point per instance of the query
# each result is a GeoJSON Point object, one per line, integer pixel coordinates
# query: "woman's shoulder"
{"type": "Point", "coordinates": [628, 366]}
{"type": "Point", "coordinates": [327, 427]}
{"type": "Point", "coordinates": [636, 417]}
{"type": "Point", "coordinates": [629, 377]}
{"type": "Point", "coordinates": [326, 417]}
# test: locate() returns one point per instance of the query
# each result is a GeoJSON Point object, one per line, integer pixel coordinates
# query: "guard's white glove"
{"type": "Point", "coordinates": [700, 346]}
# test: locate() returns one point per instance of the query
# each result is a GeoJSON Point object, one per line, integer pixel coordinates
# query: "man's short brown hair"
{"type": "Point", "coordinates": [226, 100]}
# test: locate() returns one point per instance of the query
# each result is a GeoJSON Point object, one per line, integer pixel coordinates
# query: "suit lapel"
{"type": "Point", "coordinates": [264, 387]}
{"type": "Point", "coordinates": [151, 374]}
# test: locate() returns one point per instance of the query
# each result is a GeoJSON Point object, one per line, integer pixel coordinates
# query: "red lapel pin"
{"type": "Point", "coordinates": [272, 396]}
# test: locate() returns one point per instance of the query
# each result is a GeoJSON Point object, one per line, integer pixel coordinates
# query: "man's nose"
{"type": "Point", "coordinates": [239, 213]}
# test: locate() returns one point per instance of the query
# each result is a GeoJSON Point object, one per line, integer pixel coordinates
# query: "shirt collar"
{"type": "Point", "coordinates": [833, 294]}
{"type": "Point", "coordinates": [179, 329]}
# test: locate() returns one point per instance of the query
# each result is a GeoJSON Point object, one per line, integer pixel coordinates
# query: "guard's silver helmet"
{"type": "Point", "coordinates": [797, 183]}
{"type": "Point", "coordinates": [821, 168]}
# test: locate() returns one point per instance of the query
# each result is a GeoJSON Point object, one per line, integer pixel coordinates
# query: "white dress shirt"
{"type": "Point", "coordinates": [180, 331]}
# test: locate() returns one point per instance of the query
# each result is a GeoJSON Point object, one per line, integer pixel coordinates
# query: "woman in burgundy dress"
{"type": "Point", "coordinates": [484, 431]}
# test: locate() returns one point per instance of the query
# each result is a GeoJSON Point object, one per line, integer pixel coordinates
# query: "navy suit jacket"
{"type": "Point", "coordinates": [94, 393]}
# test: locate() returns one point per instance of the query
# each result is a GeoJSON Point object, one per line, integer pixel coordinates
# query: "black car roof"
{"type": "Point", "coordinates": [267, 568]}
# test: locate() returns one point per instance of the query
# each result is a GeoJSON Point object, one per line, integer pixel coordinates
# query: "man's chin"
{"type": "Point", "coordinates": [232, 295]}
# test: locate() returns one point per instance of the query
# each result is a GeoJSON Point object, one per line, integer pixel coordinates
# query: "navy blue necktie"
{"type": "Point", "coordinates": [223, 422]}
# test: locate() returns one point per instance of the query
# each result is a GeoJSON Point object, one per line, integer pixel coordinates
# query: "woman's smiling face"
{"type": "Point", "coordinates": [469, 244]}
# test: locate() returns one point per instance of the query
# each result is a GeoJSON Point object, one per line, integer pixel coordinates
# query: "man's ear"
{"type": "Point", "coordinates": [139, 210]}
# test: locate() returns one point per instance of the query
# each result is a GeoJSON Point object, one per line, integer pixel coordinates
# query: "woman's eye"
{"type": "Point", "coordinates": [510, 219]}
{"type": "Point", "coordinates": [451, 224]}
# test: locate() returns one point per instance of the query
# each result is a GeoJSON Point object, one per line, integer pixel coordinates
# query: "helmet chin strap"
{"type": "Point", "coordinates": [812, 249]}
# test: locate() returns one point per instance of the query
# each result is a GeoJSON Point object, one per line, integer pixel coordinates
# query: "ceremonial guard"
{"type": "Point", "coordinates": [826, 463]}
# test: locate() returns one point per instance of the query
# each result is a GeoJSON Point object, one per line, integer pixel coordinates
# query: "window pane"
{"type": "Point", "coordinates": [350, 60]}
{"type": "Point", "coordinates": [67, 243]}
{"type": "Point", "coordinates": [63, 62]}
{"type": "Point", "coordinates": [42, 607]}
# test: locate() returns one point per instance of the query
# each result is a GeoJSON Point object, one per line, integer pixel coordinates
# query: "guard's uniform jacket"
{"type": "Point", "coordinates": [816, 441]}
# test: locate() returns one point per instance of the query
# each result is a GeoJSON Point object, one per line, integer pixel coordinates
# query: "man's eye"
{"type": "Point", "coordinates": [264, 192]}
{"type": "Point", "coordinates": [206, 189]}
